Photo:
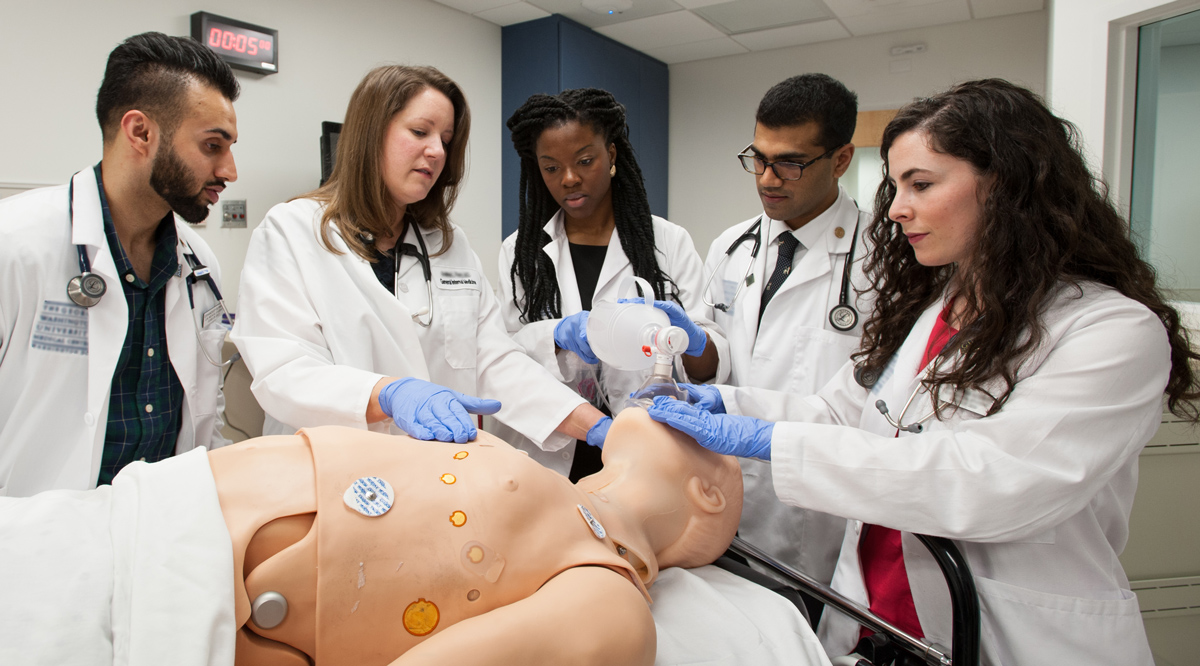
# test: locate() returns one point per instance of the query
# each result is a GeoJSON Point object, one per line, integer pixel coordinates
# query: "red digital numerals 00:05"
{"type": "Point", "coordinates": [231, 41]}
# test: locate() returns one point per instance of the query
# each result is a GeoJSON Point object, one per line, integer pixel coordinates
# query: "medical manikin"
{"type": "Point", "coordinates": [383, 550]}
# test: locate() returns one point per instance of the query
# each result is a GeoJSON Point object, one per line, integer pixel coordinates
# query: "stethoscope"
{"type": "Point", "coordinates": [842, 316]}
{"type": "Point", "coordinates": [86, 289]}
{"type": "Point", "coordinates": [867, 379]}
{"type": "Point", "coordinates": [422, 257]}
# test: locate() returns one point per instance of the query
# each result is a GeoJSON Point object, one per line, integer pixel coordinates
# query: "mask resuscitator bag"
{"type": "Point", "coordinates": [628, 336]}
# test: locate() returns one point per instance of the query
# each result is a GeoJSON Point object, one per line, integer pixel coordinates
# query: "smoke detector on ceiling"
{"type": "Point", "coordinates": [608, 7]}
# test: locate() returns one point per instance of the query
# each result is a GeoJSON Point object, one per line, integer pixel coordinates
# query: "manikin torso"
{"type": "Point", "coordinates": [472, 527]}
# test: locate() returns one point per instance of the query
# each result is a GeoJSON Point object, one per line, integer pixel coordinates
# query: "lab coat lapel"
{"type": "Point", "coordinates": [614, 266]}
{"type": "Point", "coordinates": [559, 252]}
{"type": "Point", "coordinates": [181, 339]}
{"type": "Point", "coordinates": [108, 319]}
{"type": "Point", "coordinates": [903, 376]}
{"type": "Point", "coordinates": [811, 265]}
{"type": "Point", "coordinates": [751, 297]}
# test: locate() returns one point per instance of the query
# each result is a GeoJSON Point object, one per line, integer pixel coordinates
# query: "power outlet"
{"type": "Point", "coordinates": [233, 214]}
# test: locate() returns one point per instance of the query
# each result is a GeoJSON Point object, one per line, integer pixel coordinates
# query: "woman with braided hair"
{"type": "Point", "coordinates": [585, 225]}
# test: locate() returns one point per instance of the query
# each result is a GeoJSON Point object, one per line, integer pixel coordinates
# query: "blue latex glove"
{"type": "Point", "coordinates": [724, 433]}
{"type": "Point", "coordinates": [705, 396]}
{"type": "Point", "coordinates": [427, 411]}
{"type": "Point", "coordinates": [697, 338]}
{"type": "Point", "coordinates": [598, 432]}
{"type": "Point", "coordinates": [571, 334]}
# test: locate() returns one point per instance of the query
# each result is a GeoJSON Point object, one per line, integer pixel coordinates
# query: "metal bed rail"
{"type": "Point", "coordinates": [965, 631]}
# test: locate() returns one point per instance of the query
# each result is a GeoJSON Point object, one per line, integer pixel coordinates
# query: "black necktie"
{"type": "Point", "coordinates": [783, 266]}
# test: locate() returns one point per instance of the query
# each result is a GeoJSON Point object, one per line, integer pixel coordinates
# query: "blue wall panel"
{"type": "Point", "coordinates": [553, 54]}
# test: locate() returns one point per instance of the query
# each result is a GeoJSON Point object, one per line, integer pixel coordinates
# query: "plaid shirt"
{"type": "Point", "coordinates": [146, 401]}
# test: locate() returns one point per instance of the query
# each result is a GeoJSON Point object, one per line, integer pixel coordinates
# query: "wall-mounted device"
{"type": "Point", "coordinates": [242, 45]}
{"type": "Point", "coordinates": [329, 141]}
{"type": "Point", "coordinates": [233, 214]}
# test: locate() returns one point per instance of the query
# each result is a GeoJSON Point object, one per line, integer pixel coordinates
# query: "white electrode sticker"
{"type": "Point", "coordinates": [370, 496]}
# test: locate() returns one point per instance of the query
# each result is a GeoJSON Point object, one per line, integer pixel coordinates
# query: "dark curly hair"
{"type": "Point", "coordinates": [531, 268]}
{"type": "Point", "coordinates": [1046, 221]}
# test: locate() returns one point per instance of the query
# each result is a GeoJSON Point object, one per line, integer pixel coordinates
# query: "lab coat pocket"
{"type": "Point", "coordinates": [817, 354]}
{"type": "Point", "coordinates": [1022, 626]}
{"type": "Point", "coordinates": [461, 328]}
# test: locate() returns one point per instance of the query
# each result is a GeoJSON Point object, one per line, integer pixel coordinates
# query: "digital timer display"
{"type": "Point", "coordinates": [242, 45]}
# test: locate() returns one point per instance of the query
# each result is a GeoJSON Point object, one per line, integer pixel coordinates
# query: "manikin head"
{"type": "Point", "coordinates": [684, 499]}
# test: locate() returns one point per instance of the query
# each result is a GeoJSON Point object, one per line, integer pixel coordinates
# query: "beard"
{"type": "Point", "coordinates": [171, 180]}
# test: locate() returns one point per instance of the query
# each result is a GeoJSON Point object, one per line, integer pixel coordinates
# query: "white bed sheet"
{"type": "Point", "coordinates": [708, 616]}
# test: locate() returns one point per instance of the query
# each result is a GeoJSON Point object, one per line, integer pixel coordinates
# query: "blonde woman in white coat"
{"type": "Point", "coordinates": [362, 305]}
{"type": "Point", "coordinates": [1004, 272]}
{"type": "Point", "coordinates": [585, 225]}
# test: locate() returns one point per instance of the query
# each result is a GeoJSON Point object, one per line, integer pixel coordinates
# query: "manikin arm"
{"type": "Point", "coordinates": [585, 615]}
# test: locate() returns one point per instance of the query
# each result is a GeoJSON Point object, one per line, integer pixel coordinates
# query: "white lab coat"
{"type": "Point", "coordinates": [676, 257]}
{"type": "Point", "coordinates": [796, 350]}
{"type": "Point", "coordinates": [1037, 496]}
{"type": "Point", "coordinates": [318, 331]}
{"type": "Point", "coordinates": [54, 403]}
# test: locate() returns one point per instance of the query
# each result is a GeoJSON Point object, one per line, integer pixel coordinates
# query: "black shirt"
{"type": "Point", "coordinates": [588, 260]}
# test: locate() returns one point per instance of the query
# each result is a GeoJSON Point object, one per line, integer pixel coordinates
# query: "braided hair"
{"type": "Point", "coordinates": [531, 268]}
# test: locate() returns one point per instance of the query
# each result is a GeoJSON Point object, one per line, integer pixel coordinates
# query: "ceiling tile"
{"type": "Point", "coordinates": [709, 48]}
{"type": "Point", "coordinates": [661, 31]}
{"type": "Point", "coordinates": [867, 17]}
{"type": "Point", "coordinates": [792, 35]}
{"type": "Point", "coordinates": [517, 12]}
{"type": "Point", "coordinates": [989, 8]}
{"type": "Point", "coordinates": [693, 4]}
{"type": "Point", "coordinates": [473, 6]}
{"type": "Point", "coordinates": [750, 15]}
{"type": "Point", "coordinates": [574, 10]}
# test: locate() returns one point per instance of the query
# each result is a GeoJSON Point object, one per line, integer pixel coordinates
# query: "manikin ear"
{"type": "Point", "coordinates": [139, 132]}
{"type": "Point", "coordinates": [705, 496]}
{"type": "Point", "coordinates": [841, 160]}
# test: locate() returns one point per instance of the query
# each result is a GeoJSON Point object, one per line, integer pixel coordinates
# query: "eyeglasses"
{"type": "Point", "coordinates": [755, 164]}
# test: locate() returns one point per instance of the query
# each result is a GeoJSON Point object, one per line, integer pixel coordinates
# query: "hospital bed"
{"type": "Point", "coordinates": [730, 614]}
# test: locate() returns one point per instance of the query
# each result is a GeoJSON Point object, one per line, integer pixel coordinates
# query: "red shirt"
{"type": "Point", "coordinates": [879, 550]}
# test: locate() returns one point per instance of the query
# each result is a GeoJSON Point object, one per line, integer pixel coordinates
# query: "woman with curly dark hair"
{"type": "Point", "coordinates": [585, 225]}
{"type": "Point", "coordinates": [1014, 366]}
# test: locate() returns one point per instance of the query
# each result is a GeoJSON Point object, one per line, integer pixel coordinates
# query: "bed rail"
{"type": "Point", "coordinates": [964, 601]}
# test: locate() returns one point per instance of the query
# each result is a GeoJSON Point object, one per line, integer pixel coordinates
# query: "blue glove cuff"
{"type": "Point", "coordinates": [598, 432]}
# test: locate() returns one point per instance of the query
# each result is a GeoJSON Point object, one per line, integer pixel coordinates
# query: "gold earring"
{"type": "Point", "coordinates": [612, 171]}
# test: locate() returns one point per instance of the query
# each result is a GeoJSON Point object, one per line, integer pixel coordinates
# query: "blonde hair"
{"type": "Point", "coordinates": [356, 198]}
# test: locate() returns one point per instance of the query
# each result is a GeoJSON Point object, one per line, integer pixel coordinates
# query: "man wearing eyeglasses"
{"type": "Point", "coordinates": [782, 287]}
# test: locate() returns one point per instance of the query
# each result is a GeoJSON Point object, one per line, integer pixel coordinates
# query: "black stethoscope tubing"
{"type": "Point", "coordinates": [422, 257]}
{"type": "Point", "coordinates": [86, 289]}
{"type": "Point", "coordinates": [843, 316]}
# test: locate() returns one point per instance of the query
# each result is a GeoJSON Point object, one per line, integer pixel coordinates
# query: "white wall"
{"type": "Point", "coordinates": [1091, 75]}
{"type": "Point", "coordinates": [49, 83]}
{"type": "Point", "coordinates": [713, 101]}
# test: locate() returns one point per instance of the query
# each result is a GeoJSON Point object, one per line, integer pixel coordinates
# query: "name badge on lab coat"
{"type": "Point", "coordinates": [61, 327]}
{"type": "Point", "coordinates": [458, 278]}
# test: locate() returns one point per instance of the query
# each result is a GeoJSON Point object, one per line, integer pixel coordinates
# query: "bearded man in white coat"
{"type": "Point", "coordinates": [91, 382]}
{"type": "Point", "coordinates": [783, 288]}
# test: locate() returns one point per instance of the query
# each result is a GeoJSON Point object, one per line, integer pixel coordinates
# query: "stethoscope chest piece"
{"type": "Point", "coordinates": [843, 317]}
{"type": "Point", "coordinates": [86, 289]}
{"type": "Point", "coordinates": [865, 378]}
